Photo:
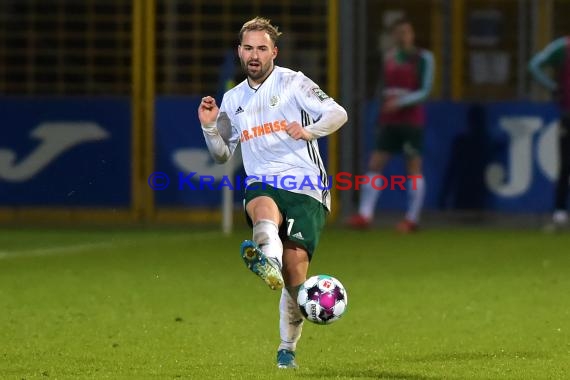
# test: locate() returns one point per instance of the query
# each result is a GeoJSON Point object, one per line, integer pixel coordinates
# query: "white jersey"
{"type": "Point", "coordinates": [258, 117]}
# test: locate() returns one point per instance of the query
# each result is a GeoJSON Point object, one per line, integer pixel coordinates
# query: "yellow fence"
{"type": "Point", "coordinates": [141, 49]}
{"type": "Point", "coordinates": [144, 48]}
{"type": "Point", "coordinates": [62, 47]}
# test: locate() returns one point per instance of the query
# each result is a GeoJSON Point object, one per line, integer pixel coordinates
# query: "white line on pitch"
{"type": "Point", "coordinates": [36, 252]}
{"type": "Point", "coordinates": [77, 248]}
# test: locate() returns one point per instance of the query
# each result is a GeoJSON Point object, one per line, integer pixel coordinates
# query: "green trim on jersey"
{"type": "Point", "coordinates": [557, 55]}
{"type": "Point", "coordinates": [425, 74]}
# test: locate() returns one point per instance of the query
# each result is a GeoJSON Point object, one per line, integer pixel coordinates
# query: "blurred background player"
{"type": "Point", "coordinates": [272, 113]}
{"type": "Point", "coordinates": [557, 56]}
{"type": "Point", "coordinates": [408, 77]}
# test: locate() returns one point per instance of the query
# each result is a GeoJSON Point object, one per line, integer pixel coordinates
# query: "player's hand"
{"type": "Point", "coordinates": [390, 105]}
{"type": "Point", "coordinates": [298, 132]}
{"type": "Point", "coordinates": [208, 110]}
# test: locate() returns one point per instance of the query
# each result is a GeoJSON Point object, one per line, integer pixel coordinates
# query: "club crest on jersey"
{"type": "Point", "coordinates": [321, 95]}
{"type": "Point", "coordinates": [274, 101]}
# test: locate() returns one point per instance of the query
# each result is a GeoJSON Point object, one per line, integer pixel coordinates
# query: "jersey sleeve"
{"type": "Point", "coordinates": [222, 136]}
{"type": "Point", "coordinates": [228, 131]}
{"type": "Point", "coordinates": [311, 98]}
{"type": "Point", "coordinates": [426, 70]}
{"type": "Point", "coordinates": [325, 115]}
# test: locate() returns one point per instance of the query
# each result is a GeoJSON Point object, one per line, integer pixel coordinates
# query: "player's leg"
{"type": "Point", "coordinates": [369, 195]}
{"type": "Point", "coordinates": [416, 194]}
{"type": "Point", "coordinates": [263, 255]}
{"type": "Point", "coordinates": [266, 219]}
{"type": "Point", "coordinates": [386, 145]}
{"type": "Point", "coordinates": [416, 186]}
{"type": "Point", "coordinates": [560, 216]}
{"type": "Point", "coordinates": [295, 267]}
{"type": "Point", "coordinates": [304, 219]}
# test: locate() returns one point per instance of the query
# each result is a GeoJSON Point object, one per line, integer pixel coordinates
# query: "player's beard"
{"type": "Point", "coordinates": [256, 72]}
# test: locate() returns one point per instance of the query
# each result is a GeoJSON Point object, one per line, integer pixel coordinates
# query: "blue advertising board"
{"type": "Point", "coordinates": [76, 152]}
{"type": "Point", "coordinates": [496, 156]}
{"type": "Point", "coordinates": [65, 152]}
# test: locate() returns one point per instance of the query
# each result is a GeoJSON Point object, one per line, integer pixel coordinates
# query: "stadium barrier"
{"type": "Point", "coordinates": [493, 156]}
{"type": "Point", "coordinates": [73, 155]}
{"type": "Point", "coordinates": [65, 159]}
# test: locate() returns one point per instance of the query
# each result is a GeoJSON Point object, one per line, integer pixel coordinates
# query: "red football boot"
{"type": "Point", "coordinates": [357, 221]}
{"type": "Point", "coordinates": [407, 226]}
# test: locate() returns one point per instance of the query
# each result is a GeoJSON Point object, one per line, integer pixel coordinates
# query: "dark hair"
{"type": "Point", "coordinates": [399, 22]}
{"type": "Point", "coordinates": [260, 24]}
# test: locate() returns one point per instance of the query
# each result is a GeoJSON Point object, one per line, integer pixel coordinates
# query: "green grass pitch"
{"type": "Point", "coordinates": [179, 303]}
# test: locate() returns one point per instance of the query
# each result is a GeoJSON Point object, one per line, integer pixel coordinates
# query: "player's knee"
{"type": "Point", "coordinates": [377, 162]}
{"type": "Point", "coordinates": [374, 166]}
{"type": "Point", "coordinates": [263, 208]}
{"type": "Point", "coordinates": [374, 169]}
{"type": "Point", "coordinates": [262, 212]}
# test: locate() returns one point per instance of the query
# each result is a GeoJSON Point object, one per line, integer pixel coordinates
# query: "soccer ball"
{"type": "Point", "coordinates": [322, 299]}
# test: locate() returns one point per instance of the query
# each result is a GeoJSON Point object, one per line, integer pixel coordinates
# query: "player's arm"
{"type": "Point", "coordinates": [216, 125]}
{"type": "Point", "coordinates": [426, 82]}
{"type": "Point", "coordinates": [329, 115]}
{"type": "Point", "coordinates": [551, 55]}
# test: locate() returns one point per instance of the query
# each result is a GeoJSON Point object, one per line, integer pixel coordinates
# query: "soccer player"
{"type": "Point", "coordinates": [557, 56]}
{"type": "Point", "coordinates": [277, 115]}
{"type": "Point", "coordinates": [408, 78]}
